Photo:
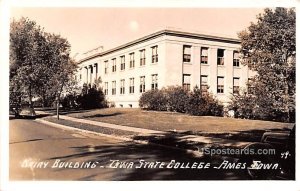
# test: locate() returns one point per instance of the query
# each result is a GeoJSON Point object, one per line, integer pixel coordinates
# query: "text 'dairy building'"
{"type": "Point", "coordinates": [167, 58]}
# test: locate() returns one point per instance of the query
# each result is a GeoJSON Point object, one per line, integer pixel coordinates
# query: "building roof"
{"type": "Point", "coordinates": [161, 33]}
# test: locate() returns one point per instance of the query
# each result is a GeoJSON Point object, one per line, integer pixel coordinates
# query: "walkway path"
{"type": "Point", "coordinates": [148, 132]}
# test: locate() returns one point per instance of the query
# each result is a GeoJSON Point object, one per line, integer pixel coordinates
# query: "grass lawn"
{"type": "Point", "coordinates": [169, 121]}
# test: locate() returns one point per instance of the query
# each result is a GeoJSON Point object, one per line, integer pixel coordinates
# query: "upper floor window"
{"type": "Point", "coordinates": [106, 67]}
{"type": "Point", "coordinates": [122, 62]}
{"type": "Point", "coordinates": [236, 85]}
{"type": "Point", "coordinates": [154, 83]}
{"type": "Point", "coordinates": [154, 54]}
{"type": "Point", "coordinates": [114, 65]}
{"type": "Point", "coordinates": [131, 63]}
{"type": "Point", "coordinates": [186, 53]}
{"type": "Point", "coordinates": [236, 59]}
{"type": "Point", "coordinates": [142, 57]}
{"type": "Point", "coordinates": [122, 86]}
{"type": "Point", "coordinates": [131, 85]}
{"type": "Point", "coordinates": [186, 81]}
{"type": "Point", "coordinates": [220, 57]}
{"type": "Point", "coordinates": [220, 86]}
{"type": "Point", "coordinates": [142, 84]}
{"type": "Point", "coordinates": [204, 55]}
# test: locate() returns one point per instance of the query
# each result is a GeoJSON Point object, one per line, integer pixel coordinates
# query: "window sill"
{"type": "Point", "coordinates": [221, 66]}
{"type": "Point", "coordinates": [237, 67]}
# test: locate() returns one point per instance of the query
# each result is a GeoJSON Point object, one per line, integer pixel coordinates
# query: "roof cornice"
{"type": "Point", "coordinates": [161, 33]}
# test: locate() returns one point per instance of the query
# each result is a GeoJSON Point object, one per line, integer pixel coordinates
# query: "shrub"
{"type": "Point", "coordinates": [94, 98]}
{"type": "Point", "coordinates": [176, 99]}
{"type": "Point", "coordinates": [90, 98]}
{"type": "Point", "coordinates": [244, 106]}
{"type": "Point", "coordinates": [69, 101]}
{"type": "Point", "coordinates": [179, 100]}
{"type": "Point", "coordinates": [153, 100]}
{"type": "Point", "coordinates": [200, 105]}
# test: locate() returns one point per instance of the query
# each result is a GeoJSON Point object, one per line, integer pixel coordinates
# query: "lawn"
{"type": "Point", "coordinates": [170, 121]}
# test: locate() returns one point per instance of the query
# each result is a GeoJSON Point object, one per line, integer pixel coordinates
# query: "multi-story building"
{"type": "Point", "coordinates": [167, 58]}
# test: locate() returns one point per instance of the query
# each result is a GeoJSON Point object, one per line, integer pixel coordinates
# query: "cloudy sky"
{"type": "Point", "coordinates": [88, 28]}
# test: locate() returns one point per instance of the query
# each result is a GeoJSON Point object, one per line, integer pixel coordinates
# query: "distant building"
{"type": "Point", "coordinates": [167, 58]}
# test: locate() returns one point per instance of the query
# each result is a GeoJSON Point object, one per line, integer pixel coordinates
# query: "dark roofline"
{"type": "Point", "coordinates": [161, 33]}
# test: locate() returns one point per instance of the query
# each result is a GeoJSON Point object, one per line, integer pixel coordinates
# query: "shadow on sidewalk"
{"type": "Point", "coordinates": [130, 152]}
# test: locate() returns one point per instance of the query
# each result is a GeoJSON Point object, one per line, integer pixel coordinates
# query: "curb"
{"type": "Point", "coordinates": [69, 128]}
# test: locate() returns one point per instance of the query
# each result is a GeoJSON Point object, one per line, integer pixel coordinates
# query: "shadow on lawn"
{"type": "Point", "coordinates": [246, 136]}
{"type": "Point", "coordinates": [103, 115]}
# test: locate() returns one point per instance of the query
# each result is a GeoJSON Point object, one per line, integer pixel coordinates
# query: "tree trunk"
{"type": "Point", "coordinates": [57, 108]}
{"type": "Point", "coordinates": [30, 97]}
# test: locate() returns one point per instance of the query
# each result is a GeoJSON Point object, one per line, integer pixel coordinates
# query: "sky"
{"type": "Point", "coordinates": [88, 28]}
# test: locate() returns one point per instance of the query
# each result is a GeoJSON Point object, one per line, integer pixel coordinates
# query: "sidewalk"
{"type": "Point", "coordinates": [170, 139]}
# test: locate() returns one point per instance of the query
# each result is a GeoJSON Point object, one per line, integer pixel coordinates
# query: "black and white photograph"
{"type": "Point", "coordinates": [114, 93]}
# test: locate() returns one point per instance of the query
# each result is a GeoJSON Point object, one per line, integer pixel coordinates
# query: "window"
{"type": "Point", "coordinates": [250, 86]}
{"type": "Point", "coordinates": [106, 66]}
{"type": "Point", "coordinates": [186, 81]}
{"type": "Point", "coordinates": [122, 62]}
{"type": "Point", "coordinates": [122, 87]}
{"type": "Point", "coordinates": [204, 55]}
{"type": "Point", "coordinates": [154, 54]}
{"type": "Point", "coordinates": [204, 84]}
{"type": "Point", "coordinates": [154, 82]}
{"type": "Point", "coordinates": [236, 85]}
{"type": "Point", "coordinates": [131, 64]}
{"type": "Point", "coordinates": [113, 88]}
{"type": "Point", "coordinates": [142, 57]}
{"type": "Point", "coordinates": [131, 85]}
{"type": "Point", "coordinates": [114, 65]}
{"type": "Point", "coordinates": [220, 57]}
{"type": "Point", "coordinates": [186, 53]}
{"type": "Point", "coordinates": [106, 88]}
{"type": "Point", "coordinates": [220, 87]}
{"type": "Point", "coordinates": [236, 59]}
{"type": "Point", "coordinates": [142, 84]}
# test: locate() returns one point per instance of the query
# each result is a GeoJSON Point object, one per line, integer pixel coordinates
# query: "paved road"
{"type": "Point", "coordinates": [41, 152]}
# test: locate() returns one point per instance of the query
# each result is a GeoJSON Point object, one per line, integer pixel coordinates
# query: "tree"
{"type": "Point", "coordinates": [40, 63]}
{"type": "Point", "coordinates": [269, 48]}
{"type": "Point", "coordinates": [26, 56]}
